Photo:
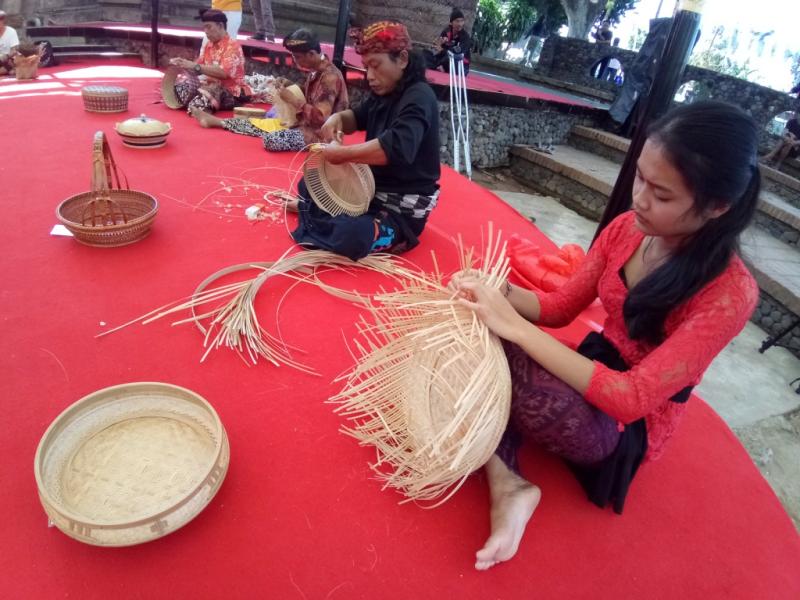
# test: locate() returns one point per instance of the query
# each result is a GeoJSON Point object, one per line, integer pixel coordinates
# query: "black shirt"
{"type": "Point", "coordinates": [406, 124]}
{"type": "Point", "coordinates": [793, 126]}
{"type": "Point", "coordinates": [460, 39]}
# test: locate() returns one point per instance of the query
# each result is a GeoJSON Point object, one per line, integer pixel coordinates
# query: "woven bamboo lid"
{"type": "Point", "coordinates": [285, 111]}
{"type": "Point", "coordinates": [338, 189]}
{"type": "Point", "coordinates": [131, 463]}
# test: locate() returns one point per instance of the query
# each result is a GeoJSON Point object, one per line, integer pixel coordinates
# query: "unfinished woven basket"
{"type": "Point", "coordinates": [175, 75]}
{"type": "Point", "coordinates": [107, 215]}
{"type": "Point", "coordinates": [285, 111]}
{"type": "Point", "coordinates": [105, 98]}
{"type": "Point", "coordinates": [338, 189]}
{"type": "Point", "coordinates": [131, 463]}
{"type": "Point", "coordinates": [431, 390]}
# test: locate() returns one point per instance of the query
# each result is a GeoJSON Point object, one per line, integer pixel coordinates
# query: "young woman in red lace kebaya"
{"type": "Point", "coordinates": [675, 291]}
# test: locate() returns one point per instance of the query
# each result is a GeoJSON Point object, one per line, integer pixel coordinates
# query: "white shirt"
{"type": "Point", "coordinates": [8, 40]}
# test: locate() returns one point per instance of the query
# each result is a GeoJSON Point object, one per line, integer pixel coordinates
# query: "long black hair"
{"type": "Point", "coordinates": [713, 145]}
{"type": "Point", "coordinates": [415, 69]}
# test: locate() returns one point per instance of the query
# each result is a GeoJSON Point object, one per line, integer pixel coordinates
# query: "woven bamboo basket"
{"type": "Point", "coordinates": [105, 98]}
{"type": "Point", "coordinates": [173, 76]}
{"type": "Point", "coordinates": [285, 111]}
{"type": "Point", "coordinates": [431, 390]}
{"type": "Point", "coordinates": [345, 189]}
{"type": "Point", "coordinates": [26, 67]}
{"type": "Point", "coordinates": [247, 112]}
{"type": "Point", "coordinates": [131, 463]}
{"type": "Point", "coordinates": [107, 215]}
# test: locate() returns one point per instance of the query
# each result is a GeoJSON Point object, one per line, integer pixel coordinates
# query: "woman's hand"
{"type": "Point", "coordinates": [492, 308]}
{"type": "Point", "coordinates": [332, 129]}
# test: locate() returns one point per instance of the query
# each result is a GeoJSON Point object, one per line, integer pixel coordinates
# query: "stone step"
{"type": "Point", "coordinates": [780, 196]}
{"type": "Point", "coordinates": [65, 48]}
{"type": "Point", "coordinates": [614, 148]}
{"type": "Point", "coordinates": [583, 182]}
{"type": "Point", "coordinates": [104, 55]}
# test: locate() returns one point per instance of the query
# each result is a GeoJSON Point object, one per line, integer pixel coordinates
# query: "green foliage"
{"type": "Point", "coordinates": [519, 17]}
{"type": "Point", "coordinates": [615, 9]}
{"type": "Point", "coordinates": [717, 57]}
{"type": "Point", "coordinates": [487, 33]}
{"type": "Point", "coordinates": [636, 40]}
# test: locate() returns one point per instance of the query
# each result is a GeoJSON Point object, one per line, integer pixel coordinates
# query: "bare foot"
{"type": "Point", "coordinates": [513, 501]}
{"type": "Point", "coordinates": [205, 119]}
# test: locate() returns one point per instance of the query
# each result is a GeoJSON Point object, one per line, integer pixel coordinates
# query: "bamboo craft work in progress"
{"type": "Point", "coordinates": [432, 388]}
{"type": "Point", "coordinates": [234, 323]}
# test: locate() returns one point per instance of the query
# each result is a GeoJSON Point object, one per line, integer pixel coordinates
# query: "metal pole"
{"type": "Point", "coordinates": [154, 34]}
{"type": "Point", "coordinates": [341, 34]}
{"type": "Point", "coordinates": [677, 49]}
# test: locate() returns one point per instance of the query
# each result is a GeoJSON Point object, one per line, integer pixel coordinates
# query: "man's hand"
{"type": "Point", "coordinates": [182, 63]}
{"type": "Point", "coordinates": [332, 129]}
{"type": "Point", "coordinates": [334, 153]}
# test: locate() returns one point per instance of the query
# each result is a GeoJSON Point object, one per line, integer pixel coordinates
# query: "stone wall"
{"type": "Point", "coordinates": [773, 317]}
{"type": "Point", "coordinates": [571, 60]}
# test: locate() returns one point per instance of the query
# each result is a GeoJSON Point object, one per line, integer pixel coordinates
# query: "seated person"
{"type": "Point", "coordinates": [603, 35]}
{"type": "Point", "coordinates": [789, 144]}
{"type": "Point", "coordinates": [325, 94]}
{"type": "Point", "coordinates": [454, 38]}
{"type": "Point", "coordinates": [401, 120]}
{"type": "Point", "coordinates": [675, 291]}
{"type": "Point", "coordinates": [222, 65]}
{"type": "Point", "coordinates": [8, 46]}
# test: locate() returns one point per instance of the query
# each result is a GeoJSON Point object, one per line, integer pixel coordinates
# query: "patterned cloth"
{"type": "Point", "coordinates": [208, 98]}
{"type": "Point", "coordinates": [227, 54]}
{"type": "Point", "coordinates": [382, 37]}
{"type": "Point", "coordinates": [326, 93]}
{"type": "Point", "coordinates": [285, 140]}
{"type": "Point", "coordinates": [415, 206]}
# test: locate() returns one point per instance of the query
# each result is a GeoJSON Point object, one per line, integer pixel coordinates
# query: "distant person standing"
{"type": "Point", "coordinates": [536, 34]}
{"type": "Point", "coordinates": [265, 24]}
{"type": "Point", "coordinates": [603, 35]}
{"type": "Point", "coordinates": [233, 11]}
{"type": "Point", "coordinates": [454, 38]}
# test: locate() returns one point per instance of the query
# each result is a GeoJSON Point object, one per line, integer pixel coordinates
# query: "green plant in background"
{"type": "Point", "coordinates": [520, 15]}
{"type": "Point", "coordinates": [487, 32]}
{"type": "Point", "coordinates": [716, 56]}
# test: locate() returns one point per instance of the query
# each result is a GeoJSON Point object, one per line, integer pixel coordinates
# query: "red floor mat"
{"type": "Point", "coordinates": [299, 515]}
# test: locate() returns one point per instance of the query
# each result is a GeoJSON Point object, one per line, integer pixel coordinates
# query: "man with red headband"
{"type": "Point", "coordinates": [401, 120]}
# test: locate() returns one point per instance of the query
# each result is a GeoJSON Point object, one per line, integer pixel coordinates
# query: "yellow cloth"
{"type": "Point", "coordinates": [268, 125]}
{"type": "Point", "coordinates": [227, 5]}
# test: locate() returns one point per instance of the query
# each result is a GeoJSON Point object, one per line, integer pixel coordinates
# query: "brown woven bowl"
{"type": "Point", "coordinates": [131, 463]}
{"type": "Point", "coordinates": [107, 216]}
{"type": "Point", "coordinates": [172, 76]}
{"type": "Point", "coordinates": [105, 98]}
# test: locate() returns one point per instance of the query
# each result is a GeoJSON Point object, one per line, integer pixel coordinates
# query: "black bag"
{"type": "Point", "coordinates": [47, 57]}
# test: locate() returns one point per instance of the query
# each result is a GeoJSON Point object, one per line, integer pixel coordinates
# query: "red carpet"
{"type": "Point", "coordinates": [299, 515]}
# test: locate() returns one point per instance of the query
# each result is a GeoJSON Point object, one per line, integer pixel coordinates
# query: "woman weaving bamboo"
{"type": "Point", "coordinates": [675, 291]}
{"type": "Point", "coordinates": [325, 93]}
{"type": "Point", "coordinates": [401, 120]}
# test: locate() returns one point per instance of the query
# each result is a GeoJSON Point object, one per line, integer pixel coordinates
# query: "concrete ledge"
{"type": "Point", "coordinates": [582, 90]}
{"type": "Point", "coordinates": [617, 142]}
{"type": "Point", "coordinates": [782, 184]}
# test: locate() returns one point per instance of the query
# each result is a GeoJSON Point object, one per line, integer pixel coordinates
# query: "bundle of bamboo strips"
{"type": "Point", "coordinates": [234, 323]}
{"type": "Point", "coordinates": [432, 388]}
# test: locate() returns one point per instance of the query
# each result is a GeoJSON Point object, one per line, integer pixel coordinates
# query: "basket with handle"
{"type": "Point", "coordinates": [109, 214]}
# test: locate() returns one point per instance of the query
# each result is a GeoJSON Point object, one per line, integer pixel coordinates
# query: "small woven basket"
{"type": "Point", "coordinates": [105, 98]}
{"type": "Point", "coordinates": [173, 76]}
{"type": "Point", "coordinates": [26, 67]}
{"type": "Point", "coordinates": [345, 189]}
{"type": "Point", "coordinates": [107, 216]}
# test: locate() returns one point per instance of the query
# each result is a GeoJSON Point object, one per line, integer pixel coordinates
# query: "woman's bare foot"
{"type": "Point", "coordinates": [205, 119]}
{"type": "Point", "coordinates": [513, 501]}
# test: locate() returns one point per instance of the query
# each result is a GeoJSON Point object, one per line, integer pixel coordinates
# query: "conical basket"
{"type": "Point", "coordinates": [345, 189]}
{"type": "Point", "coordinates": [107, 216]}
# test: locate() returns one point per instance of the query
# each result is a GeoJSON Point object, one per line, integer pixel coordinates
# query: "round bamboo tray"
{"type": "Point", "coordinates": [105, 98]}
{"type": "Point", "coordinates": [345, 189]}
{"type": "Point", "coordinates": [172, 76]}
{"type": "Point", "coordinates": [131, 463]}
{"type": "Point", "coordinates": [285, 111]}
{"type": "Point", "coordinates": [107, 216]}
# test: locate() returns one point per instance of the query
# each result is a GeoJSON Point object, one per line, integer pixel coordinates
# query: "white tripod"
{"type": "Point", "coordinates": [459, 111]}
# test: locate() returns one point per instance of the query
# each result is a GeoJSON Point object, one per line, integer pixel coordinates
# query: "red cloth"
{"type": "Point", "coordinates": [227, 54]}
{"type": "Point", "coordinates": [696, 332]}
